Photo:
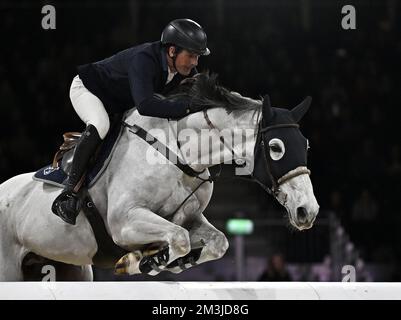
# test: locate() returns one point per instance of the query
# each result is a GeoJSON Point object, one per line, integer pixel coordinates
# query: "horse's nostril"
{"type": "Point", "coordinates": [302, 214]}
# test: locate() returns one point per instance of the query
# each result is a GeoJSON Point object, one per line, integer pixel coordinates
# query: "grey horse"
{"type": "Point", "coordinates": [145, 200]}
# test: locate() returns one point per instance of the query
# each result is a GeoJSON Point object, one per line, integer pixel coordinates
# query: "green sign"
{"type": "Point", "coordinates": [239, 226]}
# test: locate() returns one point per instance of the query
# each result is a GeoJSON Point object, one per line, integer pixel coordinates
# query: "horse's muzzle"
{"type": "Point", "coordinates": [304, 219]}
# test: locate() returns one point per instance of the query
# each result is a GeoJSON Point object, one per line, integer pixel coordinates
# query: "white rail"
{"type": "Point", "coordinates": [198, 291]}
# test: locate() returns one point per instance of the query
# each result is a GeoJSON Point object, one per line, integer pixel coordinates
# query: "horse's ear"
{"type": "Point", "coordinates": [299, 111]}
{"type": "Point", "coordinates": [267, 110]}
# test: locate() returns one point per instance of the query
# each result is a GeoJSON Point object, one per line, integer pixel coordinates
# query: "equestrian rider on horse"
{"type": "Point", "coordinates": [133, 77]}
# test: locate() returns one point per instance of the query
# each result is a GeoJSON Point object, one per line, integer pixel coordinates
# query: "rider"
{"type": "Point", "coordinates": [133, 77]}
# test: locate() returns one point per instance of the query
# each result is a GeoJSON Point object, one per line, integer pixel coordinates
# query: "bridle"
{"type": "Point", "coordinates": [274, 190]}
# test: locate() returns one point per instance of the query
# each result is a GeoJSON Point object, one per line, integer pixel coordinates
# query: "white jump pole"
{"type": "Point", "coordinates": [148, 290]}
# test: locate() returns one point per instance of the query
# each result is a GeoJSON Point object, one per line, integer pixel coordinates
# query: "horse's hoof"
{"type": "Point", "coordinates": [128, 264]}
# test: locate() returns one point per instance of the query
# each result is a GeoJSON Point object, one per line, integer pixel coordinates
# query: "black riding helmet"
{"type": "Point", "coordinates": [187, 34]}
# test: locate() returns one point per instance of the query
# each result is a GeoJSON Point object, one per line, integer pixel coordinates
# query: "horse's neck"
{"type": "Point", "coordinates": [237, 128]}
{"type": "Point", "coordinates": [195, 133]}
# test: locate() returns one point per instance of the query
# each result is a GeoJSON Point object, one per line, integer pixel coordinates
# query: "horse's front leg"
{"type": "Point", "coordinates": [141, 227]}
{"type": "Point", "coordinates": [208, 243]}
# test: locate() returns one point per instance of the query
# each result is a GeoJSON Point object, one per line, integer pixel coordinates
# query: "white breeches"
{"type": "Point", "coordinates": [89, 107]}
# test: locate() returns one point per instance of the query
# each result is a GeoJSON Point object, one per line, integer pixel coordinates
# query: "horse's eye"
{"type": "Point", "coordinates": [277, 149]}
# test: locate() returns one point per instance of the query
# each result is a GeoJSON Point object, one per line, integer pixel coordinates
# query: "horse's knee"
{"type": "Point", "coordinates": [218, 247]}
{"type": "Point", "coordinates": [180, 242]}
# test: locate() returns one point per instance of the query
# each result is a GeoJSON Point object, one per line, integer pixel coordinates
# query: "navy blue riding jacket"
{"type": "Point", "coordinates": [131, 78]}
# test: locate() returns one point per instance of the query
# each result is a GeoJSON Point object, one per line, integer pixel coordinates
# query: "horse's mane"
{"type": "Point", "coordinates": [204, 91]}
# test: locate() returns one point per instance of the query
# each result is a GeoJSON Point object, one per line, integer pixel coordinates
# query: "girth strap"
{"type": "Point", "coordinates": [152, 141]}
{"type": "Point", "coordinates": [108, 253]}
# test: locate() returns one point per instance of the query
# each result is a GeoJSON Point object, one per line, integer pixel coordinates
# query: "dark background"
{"type": "Point", "coordinates": [288, 49]}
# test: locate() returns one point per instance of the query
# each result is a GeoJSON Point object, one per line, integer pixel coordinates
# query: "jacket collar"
{"type": "Point", "coordinates": [164, 58]}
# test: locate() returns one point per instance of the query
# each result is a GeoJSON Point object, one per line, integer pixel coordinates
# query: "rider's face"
{"type": "Point", "coordinates": [185, 61]}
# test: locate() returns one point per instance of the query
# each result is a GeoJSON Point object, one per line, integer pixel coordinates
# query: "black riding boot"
{"type": "Point", "coordinates": [67, 204]}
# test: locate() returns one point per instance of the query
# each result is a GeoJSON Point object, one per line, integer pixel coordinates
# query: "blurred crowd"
{"type": "Point", "coordinates": [353, 77]}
